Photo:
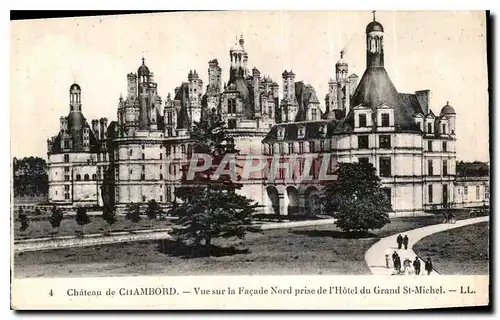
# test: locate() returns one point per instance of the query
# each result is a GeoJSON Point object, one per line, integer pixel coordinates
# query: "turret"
{"type": "Point", "coordinates": [374, 44]}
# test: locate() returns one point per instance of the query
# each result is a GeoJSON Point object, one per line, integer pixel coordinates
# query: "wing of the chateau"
{"type": "Point", "coordinates": [138, 157]}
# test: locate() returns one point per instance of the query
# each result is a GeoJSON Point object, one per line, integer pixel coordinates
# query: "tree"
{"type": "Point", "coordinates": [108, 215]}
{"type": "Point", "coordinates": [55, 219]}
{"type": "Point", "coordinates": [210, 206]}
{"type": "Point", "coordinates": [30, 176]}
{"type": "Point", "coordinates": [23, 219]}
{"type": "Point", "coordinates": [356, 199]}
{"type": "Point", "coordinates": [82, 218]}
{"type": "Point", "coordinates": [152, 211]}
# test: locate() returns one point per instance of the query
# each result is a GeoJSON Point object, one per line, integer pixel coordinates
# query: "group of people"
{"type": "Point", "coordinates": [402, 241]}
{"type": "Point", "coordinates": [406, 267]}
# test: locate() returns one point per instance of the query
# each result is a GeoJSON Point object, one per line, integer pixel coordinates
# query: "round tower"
{"type": "Point", "coordinates": [450, 113]}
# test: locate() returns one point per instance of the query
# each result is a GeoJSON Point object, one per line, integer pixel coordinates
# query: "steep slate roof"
{"type": "Point", "coordinates": [182, 114]}
{"type": "Point", "coordinates": [376, 88]}
{"type": "Point", "coordinates": [304, 95]}
{"type": "Point", "coordinates": [95, 145]}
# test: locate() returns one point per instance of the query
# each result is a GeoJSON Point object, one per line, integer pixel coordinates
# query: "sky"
{"type": "Point", "coordinates": [443, 51]}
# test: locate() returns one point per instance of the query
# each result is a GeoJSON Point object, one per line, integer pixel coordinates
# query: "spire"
{"type": "Point", "coordinates": [373, 12]}
{"type": "Point", "coordinates": [341, 54]}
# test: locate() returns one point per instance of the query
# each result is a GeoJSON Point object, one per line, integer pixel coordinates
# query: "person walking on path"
{"type": "Point", "coordinates": [407, 266]}
{"type": "Point", "coordinates": [416, 266]}
{"type": "Point", "coordinates": [397, 264]}
{"type": "Point", "coordinates": [405, 242]}
{"type": "Point", "coordinates": [428, 266]}
{"type": "Point", "coordinates": [394, 256]}
{"type": "Point", "coordinates": [399, 241]}
{"type": "Point", "coordinates": [387, 260]}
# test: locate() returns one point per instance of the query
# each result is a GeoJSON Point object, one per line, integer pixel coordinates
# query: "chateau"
{"type": "Point", "coordinates": [138, 157]}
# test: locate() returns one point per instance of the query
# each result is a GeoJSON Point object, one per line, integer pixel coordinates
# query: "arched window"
{"type": "Point", "coordinates": [429, 128]}
{"type": "Point", "coordinates": [94, 177]}
{"type": "Point", "coordinates": [86, 177]}
{"type": "Point", "coordinates": [78, 177]}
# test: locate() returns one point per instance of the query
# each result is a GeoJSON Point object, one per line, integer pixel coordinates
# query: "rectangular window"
{"type": "Point", "coordinates": [66, 196]}
{"type": "Point", "coordinates": [66, 178]}
{"type": "Point", "coordinates": [478, 191]}
{"type": "Point", "coordinates": [143, 157]}
{"type": "Point", "coordinates": [445, 147]}
{"type": "Point", "coordinates": [290, 148]}
{"type": "Point", "coordinates": [363, 142]}
{"type": "Point", "coordinates": [312, 147]}
{"type": "Point", "coordinates": [429, 145]}
{"type": "Point", "coordinates": [429, 128]}
{"type": "Point", "coordinates": [281, 149]}
{"type": "Point", "coordinates": [314, 114]}
{"type": "Point", "coordinates": [143, 198]}
{"type": "Point", "coordinates": [385, 167]}
{"type": "Point", "coordinates": [169, 196]}
{"type": "Point", "coordinates": [161, 156]}
{"type": "Point", "coordinates": [466, 193]}
{"type": "Point", "coordinates": [364, 160]}
{"type": "Point", "coordinates": [66, 169]}
{"type": "Point", "coordinates": [66, 188]}
{"type": "Point", "coordinates": [231, 123]}
{"type": "Point", "coordinates": [486, 192]}
{"type": "Point", "coordinates": [385, 142]}
{"type": "Point", "coordinates": [385, 120]}
{"type": "Point", "coordinates": [322, 145]}
{"type": "Point", "coordinates": [362, 120]}
{"type": "Point", "coordinates": [430, 193]}
{"type": "Point", "coordinates": [161, 198]}
{"type": "Point", "coordinates": [161, 176]}
{"type": "Point", "coordinates": [183, 149]}
{"type": "Point", "coordinates": [301, 147]}
{"type": "Point", "coordinates": [66, 158]}
{"type": "Point", "coordinates": [445, 168]}
{"type": "Point", "coordinates": [143, 176]}
{"type": "Point", "coordinates": [444, 128]}
{"type": "Point", "coordinates": [430, 168]}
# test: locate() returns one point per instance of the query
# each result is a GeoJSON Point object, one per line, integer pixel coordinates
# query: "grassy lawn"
{"type": "Point", "coordinates": [42, 228]}
{"type": "Point", "coordinates": [304, 250]}
{"type": "Point", "coordinates": [461, 251]}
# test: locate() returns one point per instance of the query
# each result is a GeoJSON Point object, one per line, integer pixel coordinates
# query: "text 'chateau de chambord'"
{"type": "Point", "coordinates": [138, 157]}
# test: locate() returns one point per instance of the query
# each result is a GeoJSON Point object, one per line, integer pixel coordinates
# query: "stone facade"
{"type": "Point", "coordinates": [138, 157]}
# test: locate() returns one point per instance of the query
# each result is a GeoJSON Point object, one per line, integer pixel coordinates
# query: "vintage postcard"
{"type": "Point", "coordinates": [271, 160]}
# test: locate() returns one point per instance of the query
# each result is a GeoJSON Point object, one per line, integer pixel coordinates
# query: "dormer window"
{"type": "Point", "coordinates": [281, 133]}
{"type": "Point", "coordinates": [302, 132]}
{"type": "Point", "coordinates": [385, 120]}
{"type": "Point", "coordinates": [314, 114]}
{"type": "Point", "coordinates": [362, 120]}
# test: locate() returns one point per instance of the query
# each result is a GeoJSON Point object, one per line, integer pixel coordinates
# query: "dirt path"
{"type": "Point", "coordinates": [375, 256]}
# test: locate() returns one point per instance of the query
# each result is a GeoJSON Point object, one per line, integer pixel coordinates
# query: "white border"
{"type": "Point", "coordinates": [184, 5]}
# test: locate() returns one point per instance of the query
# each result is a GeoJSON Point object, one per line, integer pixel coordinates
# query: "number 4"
{"type": "Point", "coordinates": [50, 293]}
